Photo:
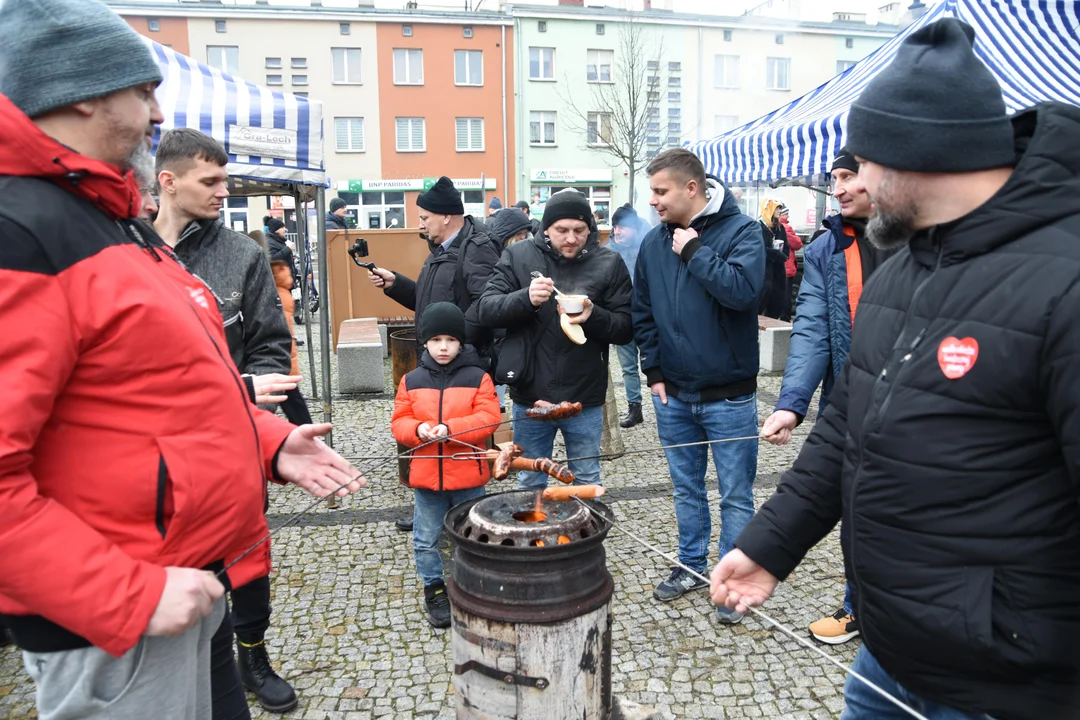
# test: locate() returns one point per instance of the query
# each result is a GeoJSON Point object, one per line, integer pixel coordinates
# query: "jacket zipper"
{"type": "Point", "coordinates": [162, 484]}
{"type": "Point", "coordinates": [441, 447]}
{"type": "Point", "coordinates": [879, 416]}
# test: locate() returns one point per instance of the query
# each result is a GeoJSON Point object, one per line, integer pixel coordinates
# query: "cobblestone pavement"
{"type": "Point", "coordinates": [349, 633]}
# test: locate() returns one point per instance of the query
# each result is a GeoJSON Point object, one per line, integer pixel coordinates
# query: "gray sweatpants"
{"type": "Point", "coordinates": [161, 677]}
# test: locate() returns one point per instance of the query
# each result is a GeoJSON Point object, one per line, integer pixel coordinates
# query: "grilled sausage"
{"type": "Point", "coordinates": [553, 412]}
{"type": "Point", "coordinates": [584, 492]}
{"type": "Point", "coordinates": [503, 460]}
{"type": "Point", "coordinates": [544, 465]}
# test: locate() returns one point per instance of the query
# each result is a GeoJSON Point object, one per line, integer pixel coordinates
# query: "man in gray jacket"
{"type": "Point", "coordinates": [191, 172]}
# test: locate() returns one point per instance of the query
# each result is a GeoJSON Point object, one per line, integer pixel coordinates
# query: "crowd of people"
{"type": "Point", "coordinates": [151, 344]}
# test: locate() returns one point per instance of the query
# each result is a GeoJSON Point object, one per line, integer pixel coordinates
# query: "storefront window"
{"type": "Point", "coordinates": [234, 213]}
{"type": "Point", "coordinates": [473, 200]}
{"type": "Point", "coordinates": [599, 197]}
{"type": "Point", "coordinates": [374, 210]}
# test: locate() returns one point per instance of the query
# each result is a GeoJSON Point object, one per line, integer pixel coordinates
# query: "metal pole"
{"type": "Point", "coordinates": [324, 316]}
{"type": "Point", "coordinates": [505, 132]}
{"type": "Point", "coordinates": [303, 247]}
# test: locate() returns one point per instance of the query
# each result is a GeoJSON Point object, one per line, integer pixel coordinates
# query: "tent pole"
{"type": "Point", "coordinates": [303, 247]}
{"type": "Point", "coordinates": [324, 316]}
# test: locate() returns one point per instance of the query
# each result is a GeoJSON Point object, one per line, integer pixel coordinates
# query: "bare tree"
{"type": "Point", "coordinates": [614, 118]}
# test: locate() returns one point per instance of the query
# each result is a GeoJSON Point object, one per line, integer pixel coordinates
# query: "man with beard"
{"type": "Point", "coordinates": [463, 254]}
{"type": "Point", "coordinates": [131, 462]}
{"type": "Point", "coordinates": [835, 267]}
{"type": "Point", "coordinates": [949, 447]}
{"type": "Point", "coordinates": [192, 175]}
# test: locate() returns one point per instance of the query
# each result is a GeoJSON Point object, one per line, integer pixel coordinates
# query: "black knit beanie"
{"type": "Point", "coordinates": [624, 215]}
{"type": "Point", "coordinates": [936, 108]}
{"type": "Point", "coordinates": [566, 204]}
{"type": "Point", "coordinates": [442, 318]}
{"type": "Point", "coordinates": [274, 224]}
{"type": "Point", "coordinates": [336, 204]}
{"type": "Point", "coordinates": [442, 199]}
{"type": "Point", "coordinates": [844, 160]}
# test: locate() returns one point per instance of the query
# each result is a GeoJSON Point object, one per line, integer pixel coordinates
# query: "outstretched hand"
{"type": "Point", "coordinates": [305, 460]}
{"type": "Point", "coordinates": [739, 583]}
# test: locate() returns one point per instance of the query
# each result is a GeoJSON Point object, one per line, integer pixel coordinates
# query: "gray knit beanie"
{"type": "Point", "coordinates": [55, 53]}
{"type": "Point", "coordinates": [936, 108]}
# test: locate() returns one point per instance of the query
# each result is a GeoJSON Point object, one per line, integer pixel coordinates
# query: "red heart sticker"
{"type": "Point", "coordinates": [956, 357]}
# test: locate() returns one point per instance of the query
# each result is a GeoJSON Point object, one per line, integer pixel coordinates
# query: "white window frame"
{"type": "Point", "coordinates": [595, 59]}
{"type": "Point", "coordinates": [543, 118]}
{"type": "Point", "coordinates": [470, 125]}
{"type": "Point", "coordinates": [724, 123]}
{"type": "Point", "coordinates": [350, 128]}
{"type": "Point", "coordinates": [468, 80]}
{"type": "Point", "coordinates": [726, 71]}
{"type": "Point", "coordinates": [409, 62]}
{"type": "Point", "coordinates": [344, 53]}
{"type": "Point", "coordinates": [772, 73]}
{"type": "Point", "coordinates": [223, 65]}
{"type": "Point", "coordinates": [540, 60]}
{"type": "Point", "coordinates": [412, 124]}
{"type": "Point", "coordinates": [275, 80]}
{"type": "Point", "coordinates": [597, 120]}
{"type": "Point", "coordinates": [845, 65]}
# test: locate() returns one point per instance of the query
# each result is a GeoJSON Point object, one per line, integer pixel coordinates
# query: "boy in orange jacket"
{"type": "Point", "coordinates": [449, 393]}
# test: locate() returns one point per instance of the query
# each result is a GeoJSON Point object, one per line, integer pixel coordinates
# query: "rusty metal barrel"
{"type": "Point", "coordinates": [531, 608]}
{"type": "Point", "coordinates": [402, 361]}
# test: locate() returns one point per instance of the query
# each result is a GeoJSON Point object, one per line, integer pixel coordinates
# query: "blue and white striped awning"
{"type": "Point", "coordinates": [273, 139]}
{"type": "Point", "coordinates": [1032, 48]}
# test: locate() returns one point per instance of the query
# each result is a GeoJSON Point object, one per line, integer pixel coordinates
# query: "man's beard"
{"type": "Point", "coordinates": [142, 162]}
{"type": "Point", "coordinates": [891, 230]}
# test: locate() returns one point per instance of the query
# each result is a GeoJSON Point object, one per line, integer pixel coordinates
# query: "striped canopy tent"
{"type": "Point", "coordinates": [1031, 47]}
{"type": "Point", "coordinates": [274, 139]}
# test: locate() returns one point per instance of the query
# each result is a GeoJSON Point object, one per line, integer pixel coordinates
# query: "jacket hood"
{"type": "Point", "coordinates": [721, 203]}
{"type": "Point", "coordinates": [467, 357]}
{"type": "Point", "coordinates": [1043, 188]}
{"type": "Point", "coordinates": [26, 151]}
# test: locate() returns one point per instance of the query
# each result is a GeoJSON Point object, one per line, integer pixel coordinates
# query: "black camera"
{"type": "Point", "coordinates": [359, 250]}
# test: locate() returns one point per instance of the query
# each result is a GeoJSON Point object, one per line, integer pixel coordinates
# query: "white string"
{"type": "Point", "coordinates": [798, 638]}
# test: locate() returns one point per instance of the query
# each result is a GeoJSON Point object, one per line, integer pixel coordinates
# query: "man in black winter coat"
{"type": "Point", "coordinates": [951, 444]}
{"type": "Point", "coordinates": [335, 217]}
{"type": "Point", "coordinates": [537, 358]}
{"type": "Point", "coordinates": [463, 253]}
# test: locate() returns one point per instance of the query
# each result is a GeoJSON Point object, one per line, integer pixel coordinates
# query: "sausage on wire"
{"type": "Point", "coordinates": [544, 465]}
{"type": "Point", "coordinates": [503, 460]}
{"type": "Point", "coordinates": [560, 411]}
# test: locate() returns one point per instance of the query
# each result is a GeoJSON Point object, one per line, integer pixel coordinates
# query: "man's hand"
{"type": "Point", "coordinates": [381, 278]}
{"type": "Point", "coordinates": [660, 390]}
{"type": "Point", "coordinates": [440, 431]}
{"type": "Point", "coordinates": [739, 583]}
{"type": "Point", "coordinates": [267, 386]}
{"type": "Point", "coordinates": [580, 317]}
{"type": "Point", "coordinates": [540, 290]}
{"type": "Point", "coordinates": [306, 461]}
{"type": "Point", "coordinates": [777, 429]}
{"type": "Point", "coordinates": [189, 596]}
{"type": "Point", "coordinates": [680, 237]}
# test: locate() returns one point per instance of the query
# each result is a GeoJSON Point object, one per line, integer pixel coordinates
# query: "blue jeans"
{"type": "Point", "coordinates": [580, 433]}
{"type": "Point", "coordinates": [849, 608]}
{"type": "Point", "coordinates": [429, 510]}
{"type": "Point", "coordinates": [736, 465]}
{"type": "Point", "coordinates": [628, 361]}
{"type": "Point", "coordinates": [865, 704]}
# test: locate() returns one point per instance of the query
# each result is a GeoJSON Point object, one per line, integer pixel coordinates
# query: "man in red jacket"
{"type": "Point", "coordinates": [131, 462]}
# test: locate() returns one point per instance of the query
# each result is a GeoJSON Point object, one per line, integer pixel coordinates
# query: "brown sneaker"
{"type": "Point", "coordinates": [836, 629]}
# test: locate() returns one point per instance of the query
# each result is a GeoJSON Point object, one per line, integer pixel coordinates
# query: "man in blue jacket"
{"type": "Point", "coordinates": [821, 338]}
{"type": "Point", "coordinates": [696, 290]}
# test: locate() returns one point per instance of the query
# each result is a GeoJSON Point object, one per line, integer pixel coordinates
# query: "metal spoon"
{"type": "Point", "coordinates": [538, 274]}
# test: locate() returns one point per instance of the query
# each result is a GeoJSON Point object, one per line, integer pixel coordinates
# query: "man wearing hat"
{"type": "Point", "coordinates": [131, 462]}
{"type": "Point", "coordinates": [523, 206]}
{"type": "Point", "coordinates": [949, 447]}
{"type": "Point", "coordinates": [537, 358]}
{"type": "Point", "coordinates": [335, 218]}
{"type": "Point", "coordinates": [463, 253]}
{"type": "Point", "coordinates": [627, 232]}
{"type": "Point", "coordinates": [835, 268]}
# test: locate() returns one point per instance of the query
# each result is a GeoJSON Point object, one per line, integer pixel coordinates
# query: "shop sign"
{"type": "Point", "coordinates": [571, 175]}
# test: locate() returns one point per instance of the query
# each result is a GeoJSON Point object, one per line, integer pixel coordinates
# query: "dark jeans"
{"type": "Point", "coordinates": [229, 701]}
{"type": "Point", "coordinates": [251, 610]}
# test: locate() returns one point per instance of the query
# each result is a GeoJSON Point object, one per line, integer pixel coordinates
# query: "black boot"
{"type": "Point", "coordinates": [632, 417]}
{"type": "Point", "coordinates": [437, 604]}
{"type": "Point", "coordinates": [404, 524]}
{"type": "Point", "coordinates": [259, 677]}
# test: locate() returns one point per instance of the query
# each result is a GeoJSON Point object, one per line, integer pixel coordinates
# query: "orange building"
{"type": "Point", "coordinates": [171, 31]}
{"type": "Point", "coordinates": [446, 107]}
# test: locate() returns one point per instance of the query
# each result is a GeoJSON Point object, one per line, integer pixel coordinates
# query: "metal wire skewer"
{"type": "Point", "coordinates": [798, 638]}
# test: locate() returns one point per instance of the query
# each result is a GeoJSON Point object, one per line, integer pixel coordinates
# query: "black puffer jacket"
{"type": "Point", "coordinates": [951, 448]}
{"type": "Point", "coordinates": [560, 370]}
{"type": "Point", "coordinates": [458, 276]}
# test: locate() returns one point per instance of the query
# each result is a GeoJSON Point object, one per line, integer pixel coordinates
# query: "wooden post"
{"type": "Point", "coordinates": [611, 442]}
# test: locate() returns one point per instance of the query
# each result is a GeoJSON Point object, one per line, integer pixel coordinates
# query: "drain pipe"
{"type": "Point", "coordinates": [506, 158]}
